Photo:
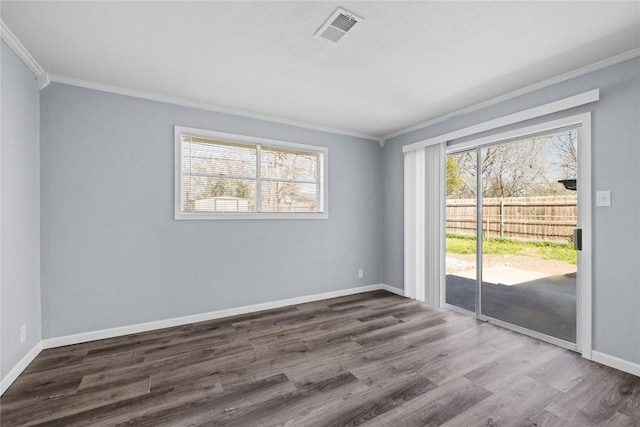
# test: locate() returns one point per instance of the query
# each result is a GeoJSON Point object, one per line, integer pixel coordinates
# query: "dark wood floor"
{"type": "Point", "coordinates": [375, 359]}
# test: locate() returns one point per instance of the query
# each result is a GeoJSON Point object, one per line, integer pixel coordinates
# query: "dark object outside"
{"type": "Point", "coordinates": [569, 184]}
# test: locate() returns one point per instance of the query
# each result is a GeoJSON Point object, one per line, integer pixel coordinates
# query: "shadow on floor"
{"type": "Point", "coordinates": [545, 305]}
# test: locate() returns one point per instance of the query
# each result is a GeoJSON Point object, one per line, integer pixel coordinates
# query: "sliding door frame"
{"type": "Point", "coordinates": [584, 276]}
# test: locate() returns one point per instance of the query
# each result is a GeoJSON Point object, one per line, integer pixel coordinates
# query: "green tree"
{"type": "Point", "coordinates": [453, 175]}
{"type": "Point", "coordinates": [242, 190]}
{"type": "Point", "coordinates": [215, 188]}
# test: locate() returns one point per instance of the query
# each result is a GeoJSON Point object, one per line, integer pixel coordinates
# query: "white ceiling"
{"type": "Point", "coordinates": [406, 63]}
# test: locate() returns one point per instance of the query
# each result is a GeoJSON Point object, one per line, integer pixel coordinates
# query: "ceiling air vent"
{"type": "Point", "coordinates": [338, 24]}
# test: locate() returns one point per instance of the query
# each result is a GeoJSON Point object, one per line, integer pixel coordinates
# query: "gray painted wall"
{"type": "Point", "coordinates": [20, 210]}
{"type": "Point", "coordinates": [112, 254]}
{"type": "Point", "coordinates": [616, 229]}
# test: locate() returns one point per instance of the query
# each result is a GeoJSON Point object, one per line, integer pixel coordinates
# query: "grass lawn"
{"type": "Point", "coordinates": [458, 244]}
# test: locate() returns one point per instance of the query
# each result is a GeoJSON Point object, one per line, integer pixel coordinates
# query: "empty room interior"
{"type": "Point", "coordinates": [285, 213]}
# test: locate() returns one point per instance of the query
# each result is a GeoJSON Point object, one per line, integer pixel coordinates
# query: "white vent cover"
{"type": "Point", "coordinates": [338, 24]}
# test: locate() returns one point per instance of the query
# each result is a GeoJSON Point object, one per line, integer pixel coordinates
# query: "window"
{"type": "Point", "coordinates": [226, 176]}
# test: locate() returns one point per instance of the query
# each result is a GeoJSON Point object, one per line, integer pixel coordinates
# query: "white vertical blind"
{"type": "Point", "coordinates": [423, 231]}
{"type": "Point", "coordinates": [414, 237]}
{"type": "Point", "coordinates": [434, 220]}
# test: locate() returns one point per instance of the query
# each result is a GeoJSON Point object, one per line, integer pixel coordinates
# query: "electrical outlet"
{"type": "Point", "coordinates": [23, 334]}
{"type": "Point", "coordinates": [360, 274]}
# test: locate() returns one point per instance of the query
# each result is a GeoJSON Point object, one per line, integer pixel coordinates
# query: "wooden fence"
{"type": "Point", "coordinates": [550, 218]}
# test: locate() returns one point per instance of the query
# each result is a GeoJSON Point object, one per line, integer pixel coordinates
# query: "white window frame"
{"type": "Point", "coordinates": [179, 131]}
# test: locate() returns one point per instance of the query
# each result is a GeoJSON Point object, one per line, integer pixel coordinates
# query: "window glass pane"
{"type": "Point", "coordinates": [213, 194]}
{"type": "Point", "coordinates": [289, 164]}
{"type": "Point", "coordinates": [461, 222]}
{"type": "Point", "coordinates": [209, 157]}
{"type": "Point", "coordinates": [280, 196]}
{"type": "Point", "coordinates": [529, 213]}
{"type": "Point", "coordinates": [217, 176]}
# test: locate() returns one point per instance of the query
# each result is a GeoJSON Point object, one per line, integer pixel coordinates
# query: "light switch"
{"type": "Point", "coordinates": [603, 198]}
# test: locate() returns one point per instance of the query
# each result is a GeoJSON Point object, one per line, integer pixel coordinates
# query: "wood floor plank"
{"type": "Point", "coordinates": [412, 355]}
{"type": "Point", "coordinates": [515, 405]}
{"type": "Point", "coordinates": [564, 371]}
{"type": "Point", "coordinates": [453, 362]}
{"type": "Point", "coordinates": [391, 333]}
{"type": "Point", "coordinates": [222, 356]}
{"type": "Point", "coordinates": [286, 404]}
{"type": "Point", "coordinates": [437, 406]}
{"type": "Point", "coordinates": [46, 411]}
{"type": "Point", "coordinates": [513, 365]}
{"type": "Point", "coordinates": [41, 379]}
{"type": "Point", "coordinates": [373, 359]}
{"type": "Point", "coordinates": [32, 396]}
{"type": "Point", "coordinates": [631, 406]}
{"type": "Point", "coordinates": [124, 410]}
{"type": "Point", "coordinates": [369, 409]}
{"type": "Point", "coordinates": [321, 363]}
{"type": "Point", "coordinates": [171, 415]}
{"type": "Point", "coordinates": [598, 397]}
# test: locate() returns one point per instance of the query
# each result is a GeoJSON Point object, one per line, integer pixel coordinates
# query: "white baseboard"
{"type": "Point", "coordinates": [20, 366]}
{"type": "Point", "coordinates": [616, 362]}
{"type": "Point", "coordinates": [605, 359]}
{"type": "Point", "coordinates": [179, 321]}
{"type": "Point", "coordinates": [392, 289]}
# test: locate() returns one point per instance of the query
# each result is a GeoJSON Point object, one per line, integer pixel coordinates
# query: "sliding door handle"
{"type": "Point", "coordinates": [577, 239]}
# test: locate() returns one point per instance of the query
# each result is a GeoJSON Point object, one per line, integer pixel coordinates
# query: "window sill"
{"type": "Point", "coordinates": [248, 216]}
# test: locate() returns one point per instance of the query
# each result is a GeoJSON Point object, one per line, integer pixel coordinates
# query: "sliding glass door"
{"type": "Point", "coordinates": [461, 230]}
{"type": "Point", "coordinates": [511, 216]}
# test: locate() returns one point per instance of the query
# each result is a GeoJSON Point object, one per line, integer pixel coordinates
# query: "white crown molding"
{"type": "Point", "coordinates": [527, 89]}
{"type": "Point", "coordinates": [202, 106]}
{"type": "Point", "coordinates": [43, 80]}
{"type": "Point", "coordinates": [12, 41]}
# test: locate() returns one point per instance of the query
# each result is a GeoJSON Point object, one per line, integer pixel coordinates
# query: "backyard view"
{"type": "Point", "coordinates": [528, 217]}
{"type": "Point", "coordinates": [222, 176]}
{"type": "Point", "coordinates": [540, 250]}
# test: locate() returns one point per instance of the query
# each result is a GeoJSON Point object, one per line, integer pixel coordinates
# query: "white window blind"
{"type": "Point", "coordinates": [242, 177]}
